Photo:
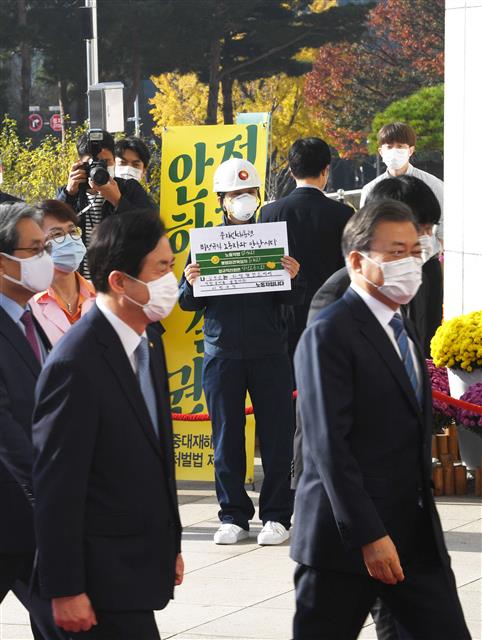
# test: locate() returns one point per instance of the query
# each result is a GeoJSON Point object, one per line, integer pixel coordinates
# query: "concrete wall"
{"type": "Point", "coordinates": [463, 157]}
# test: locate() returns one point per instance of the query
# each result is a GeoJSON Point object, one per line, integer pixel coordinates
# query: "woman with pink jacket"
{"type": "Point", "coordinates": [70, 295]}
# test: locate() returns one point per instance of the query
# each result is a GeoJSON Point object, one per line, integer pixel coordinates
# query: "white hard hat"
{"type": "Point", "coordinates": [235, 174]}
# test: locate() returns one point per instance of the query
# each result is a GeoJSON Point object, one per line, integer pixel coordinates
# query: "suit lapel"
{"type": "Point", "coordinates": [374, 332]}
{"type": "Point", "coordinates": [19, 342]}
{"type": "Point", "coordinates": [118, 361]}
{"type": "Point", "coordinates": [55, 314]}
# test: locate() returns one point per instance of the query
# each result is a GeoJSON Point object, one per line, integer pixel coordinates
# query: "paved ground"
{"type": "Point", "coordinates": [246, 592]}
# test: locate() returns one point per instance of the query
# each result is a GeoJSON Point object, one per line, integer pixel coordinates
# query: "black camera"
{"type": "Point", "coordinates": [96, 169]}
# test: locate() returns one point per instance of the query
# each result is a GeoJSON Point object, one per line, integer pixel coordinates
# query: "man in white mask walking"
{"type": "Point", "coordinates": [107, 518]}
{"type": "Point", "coordinates": [25, 268]}
{"type": "Point", "coordinates": [366, 522]}
{"type": "Point", "coordinates": [396, 145]}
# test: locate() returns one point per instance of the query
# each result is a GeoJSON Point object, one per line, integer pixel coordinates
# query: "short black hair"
{"type": "Point", "coordinates": [412, 191]}
{"type": "Point", "coordinates": [59, 210]}
{"type": "Point", "coordinates": [397, 132]}
{"type": "Point", "coordinates": [133, 144]}
{"type": "Point", "coordinates": [308, 157]}
{"type": "Point", "coordinates": [83, 144]}
{"type": "Point", "coordinates": [360, 228]}
{"type": "Point", "coordinates": [120, 243]}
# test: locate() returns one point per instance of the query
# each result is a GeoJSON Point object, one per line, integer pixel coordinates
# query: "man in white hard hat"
{"type": "Point", "coordinates": [246, 350]}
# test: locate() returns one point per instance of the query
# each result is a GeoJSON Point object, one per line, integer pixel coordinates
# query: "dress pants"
{"type": "Point", "coordinates": [270, 385]}
{"type": "Point", "coordinates": [122, 625]}
{"type": "Point", "coordinates": [332, 605]}
{"type": "Point", "coordinates": [15, 574]}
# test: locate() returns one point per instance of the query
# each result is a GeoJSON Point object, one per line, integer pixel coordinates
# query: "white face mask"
{"type": "Point", "coordinates": [395, 158]}
{"type": "Point", "coordinates": [36, 273]}
{"type": "Point", "coordinates": [163, 295]}
{"type": "Point", "coordinates": [401, 278]}
{"type": "Point", "coordinates": [243, 207]}
{"type": "Point", "coordinates": [429, 246]}
{"type": "Point", "coordinates": [128, 173]}
{"type": "Point", "coordinates": [111, 171]}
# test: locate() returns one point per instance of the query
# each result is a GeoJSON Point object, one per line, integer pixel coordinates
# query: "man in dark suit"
{"type": "Point", "coordinates": [366, 522]}
{"type": "Point", "coordinates": [315, 223]}
{"type": "Point", "coordinates": [107, 519]}
{"type": "Point", "coordinates": [25, 267]}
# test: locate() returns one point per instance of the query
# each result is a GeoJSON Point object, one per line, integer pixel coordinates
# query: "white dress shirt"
{"type": "Point", "coordinates": [384, 315]}
{"type": "Point", "coordinates": [433, 182]}
{"type": "Point", "coordinates": [129, 338]}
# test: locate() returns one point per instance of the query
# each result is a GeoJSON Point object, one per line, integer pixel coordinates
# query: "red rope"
{"type": "Point", "coordinates": [204, 417]}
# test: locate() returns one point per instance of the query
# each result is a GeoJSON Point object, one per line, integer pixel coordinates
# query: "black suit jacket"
{"type": "Point", "coordinates": [19, 370]}
{"type": "Point", "coordinates": [106, 518]}
{"type": "Point", "coordinates": [366, 441]}
{"type": "Point", "coordinates": [315, 225]}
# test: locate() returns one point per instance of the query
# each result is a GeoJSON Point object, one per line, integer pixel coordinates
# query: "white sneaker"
{"type": "Point", "coordinates": [273, 533]}
{"type": "Point", "coordinates": [230, 534]}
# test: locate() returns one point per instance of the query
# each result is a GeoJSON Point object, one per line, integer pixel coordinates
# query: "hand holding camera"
{"type": "Point", "coordinates": [77, 176]}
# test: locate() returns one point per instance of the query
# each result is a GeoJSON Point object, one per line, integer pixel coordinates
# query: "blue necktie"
{"type": "Point", "coordinates": [145, 382]}
{"type": "Point", "coordinates": [402, 339]}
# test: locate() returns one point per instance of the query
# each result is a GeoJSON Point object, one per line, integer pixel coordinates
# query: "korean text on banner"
{"type": "Point", "coordinates": [240, 259]}
{"type": "Point", "coordinates": [190, 156]}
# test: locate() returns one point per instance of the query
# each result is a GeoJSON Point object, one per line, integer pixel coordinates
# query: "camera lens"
{"type": "Point", "coordinates": [99, 174]}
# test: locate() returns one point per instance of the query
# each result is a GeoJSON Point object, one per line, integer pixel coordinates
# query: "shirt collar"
{"type": "Point", "coordinates": [12, 308]}
{"type": "Point", "coordinates": [409, 172]}
{"type": "Point", "coordinates": [381, 311]}
{"type": "Point", "coordinates": [308, 186]}
{"type": "Point", "coordinates": [130, 339]}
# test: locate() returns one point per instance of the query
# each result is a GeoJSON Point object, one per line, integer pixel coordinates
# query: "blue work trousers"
{"type": "Point", "coordinates": [270, 385]}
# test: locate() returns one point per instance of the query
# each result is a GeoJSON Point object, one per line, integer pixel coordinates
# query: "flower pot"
{"type": "Point", "coordinates": [470, 447]}
{"type": "Point", "coordinates": [460, 380]}
{"type": "Point", "coordinates": [470, 444]}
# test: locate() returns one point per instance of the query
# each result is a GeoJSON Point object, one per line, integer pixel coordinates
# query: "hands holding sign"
{"type": "Point", "coordinates": [193, 270]}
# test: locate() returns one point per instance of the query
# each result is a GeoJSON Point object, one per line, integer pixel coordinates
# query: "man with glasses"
{"type": "Point", "coordinates": [25, 268]}
{"type": "Point", "coordinates": [70, 295]}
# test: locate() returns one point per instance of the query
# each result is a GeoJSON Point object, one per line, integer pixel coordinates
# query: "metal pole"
{"type": "Point", "coordinates": [94, 50]}
{"type": "Point", "coordinates": [91, 47]}
{"type": "Point", "coordinates": [137, 120]}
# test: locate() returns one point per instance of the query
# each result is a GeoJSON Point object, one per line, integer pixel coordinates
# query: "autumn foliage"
{"type": "Point", "coordinates": [400, 52]}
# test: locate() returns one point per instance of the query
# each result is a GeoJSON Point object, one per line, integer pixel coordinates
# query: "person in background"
{"type": "Point", "coordinates": [396, 145]}
{"type": "Point", "coordinates": [245, 350]}
{"type": "Point", "coordinates": [315, 224]}
{"type": "Point", "coordinates": [106, 517]}
{"type": "Point", "coordinates": [70, 295]}
{"type": "Point", "coordinates": [132, 158]}
{"type": "Point", "coordinates": [92, 202]}
{"type": "Point", "coordinates": [25, 267]}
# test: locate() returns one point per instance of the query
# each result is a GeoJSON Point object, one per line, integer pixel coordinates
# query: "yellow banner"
{"type": "Point", "coordinates": [190, 156]}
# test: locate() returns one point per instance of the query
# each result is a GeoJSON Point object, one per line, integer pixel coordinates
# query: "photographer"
{"type": "Point", "coordinates": [93, 190]}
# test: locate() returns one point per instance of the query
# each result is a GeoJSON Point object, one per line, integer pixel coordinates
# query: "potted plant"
{"type": "Point", "coordinates": [469, 427]}
{"type": "Point", "coordinates": [457, 345]}
{"type": "Point", "coordinates": [443, 414]}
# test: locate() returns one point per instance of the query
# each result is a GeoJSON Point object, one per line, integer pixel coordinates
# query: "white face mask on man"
{"type": "Point", "coordinates": [163, 295]}
{"type": "Point", "coordinates": [36, 273]}
{"type": "Point", "coordinates": [395, 158]}
{"type": "Point", "coordinates": [128, 173]}
{"type": "Point", "coordinates": [243, 207]}
{"type": "Point", "coordinates": [401, 278]}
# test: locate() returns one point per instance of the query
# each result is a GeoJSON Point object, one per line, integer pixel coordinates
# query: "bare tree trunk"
{"type": "Point", "coordinates": [227, 89]}
{"type": "Point", "coordinates": [135, 74]}
{"type": "Point", "coordinates": [26, 67]}
{"type": "Point", "coordinates": [213, 98]}
{"type": "Point", "coordinates": [62, 104]}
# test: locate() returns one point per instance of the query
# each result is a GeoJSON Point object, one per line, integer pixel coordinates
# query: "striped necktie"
{"type": "Point", "coordinates": [30, 333]}
{"type": "Point", "coordinates": [401, 337]}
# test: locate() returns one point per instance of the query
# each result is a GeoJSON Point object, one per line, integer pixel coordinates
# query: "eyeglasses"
{"type": "Point", "coordinates": [36, 251]}
{"type": "Point", "coordinates": [59, 237]}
